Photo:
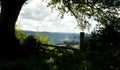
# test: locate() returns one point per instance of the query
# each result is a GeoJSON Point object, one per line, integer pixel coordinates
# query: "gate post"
{"type": "Point", "coordinates": [82, 34]}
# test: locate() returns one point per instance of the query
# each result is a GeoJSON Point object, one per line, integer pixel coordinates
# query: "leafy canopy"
{"type": "Point", "coordinates": [83, 10]}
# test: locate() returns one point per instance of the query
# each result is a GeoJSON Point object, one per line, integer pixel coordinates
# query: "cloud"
{"type": "Point", "coordinates": [34, 10]}
{"type": "Point", "coordinates": [36, 15]}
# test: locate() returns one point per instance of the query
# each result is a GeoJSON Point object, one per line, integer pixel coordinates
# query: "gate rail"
{"type": "Point", "coordinates": [63, 47]}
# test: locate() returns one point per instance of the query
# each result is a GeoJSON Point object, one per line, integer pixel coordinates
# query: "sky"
{"type": "Point", "coordinates": [36, 16]}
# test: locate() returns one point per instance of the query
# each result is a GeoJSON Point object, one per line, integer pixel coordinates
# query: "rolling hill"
{"type": "Point", "coordinates": [57, 37]}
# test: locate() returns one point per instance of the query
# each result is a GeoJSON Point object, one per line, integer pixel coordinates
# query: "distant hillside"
{"type": "Point", "coordinates": [57, 37]}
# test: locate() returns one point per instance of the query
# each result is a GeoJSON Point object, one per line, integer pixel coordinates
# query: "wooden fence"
{"type": "Point", "coordinates": [67, 47]}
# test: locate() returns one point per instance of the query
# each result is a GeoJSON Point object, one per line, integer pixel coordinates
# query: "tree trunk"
{"type": "Point", "coordinates": [9, 13]}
